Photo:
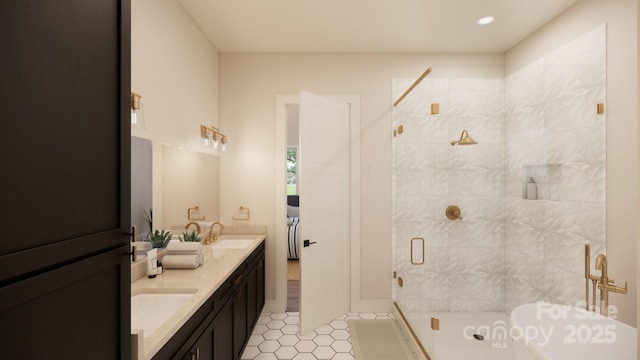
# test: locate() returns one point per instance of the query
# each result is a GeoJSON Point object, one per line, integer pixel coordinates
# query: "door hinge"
{"type": "Point", "coordinates": [435, 323]}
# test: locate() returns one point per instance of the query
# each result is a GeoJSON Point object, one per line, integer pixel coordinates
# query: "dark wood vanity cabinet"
{"type": "Point", "coordinates": [65, 276]}
{"type": "Point", "coordinates": [221, 328]}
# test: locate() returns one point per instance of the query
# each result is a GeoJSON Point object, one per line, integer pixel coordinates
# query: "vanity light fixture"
{"type": "Point", "coordinates": [223, 141]}
{"type": "Point", "coordinates": [211, 137]}
{"type": "Point", "coordinates": [137, 112]}
{"type": "Point", "coordinates": [486, 20]}
{"type": "Point", "coordinates": [204, 136]}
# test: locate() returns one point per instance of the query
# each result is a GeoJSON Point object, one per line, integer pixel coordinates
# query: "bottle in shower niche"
{"type": "Point", "coordinates": [532, 189]}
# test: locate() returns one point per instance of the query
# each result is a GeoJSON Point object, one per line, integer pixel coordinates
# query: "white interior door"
{"type": "Point", "coordinates": [324, 156]}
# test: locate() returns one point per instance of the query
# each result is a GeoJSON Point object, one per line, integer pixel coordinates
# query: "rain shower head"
{"type": "Point", "coordinates": [465, 139]}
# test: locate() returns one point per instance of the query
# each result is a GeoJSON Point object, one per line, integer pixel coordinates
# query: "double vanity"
{"type": "Point", "coordinates": [203, 313]}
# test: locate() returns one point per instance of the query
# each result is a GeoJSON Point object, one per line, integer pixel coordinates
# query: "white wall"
{"type": "Point", "coordinates": [175, 69]}
{"type": "Point", "coordinates": [622, 128]}
{"type": "Point", "coordinates": [249, 84]}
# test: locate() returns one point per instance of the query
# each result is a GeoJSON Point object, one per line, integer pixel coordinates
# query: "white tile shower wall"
{"type": "Point", "coordinates": [463, 262]}
{"type": "Point", "coordinates": [507, 251]}
{"type": "Point", "coordinates": [551, 120]}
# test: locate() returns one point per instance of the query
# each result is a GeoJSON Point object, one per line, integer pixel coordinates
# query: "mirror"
{"type": "Point", "coordinates": [186, 179]}
{"type": "Point", "coordinates": [141, 184]}
{"type": "Point", "coordinates": [170, 180]}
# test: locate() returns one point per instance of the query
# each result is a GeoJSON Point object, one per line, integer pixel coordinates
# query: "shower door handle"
{"type": "Point", "coordinates": [306, 243]}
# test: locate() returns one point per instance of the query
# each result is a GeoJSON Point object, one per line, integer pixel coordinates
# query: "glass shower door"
{"type": "Point", "coordinates": [412, 209]}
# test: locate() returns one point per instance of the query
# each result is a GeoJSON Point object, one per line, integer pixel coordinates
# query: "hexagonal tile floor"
{"type": "Point", "coordinates": [277, 336]}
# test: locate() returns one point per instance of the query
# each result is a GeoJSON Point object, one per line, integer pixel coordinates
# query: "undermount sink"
{"type": "Point", "coordinates": [233, 244]}
{"type": "Point", "coordinates": [150, 308]}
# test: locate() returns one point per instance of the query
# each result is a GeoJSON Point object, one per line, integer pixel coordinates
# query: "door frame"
{"type": "Point", "coordinates": [280, 302]}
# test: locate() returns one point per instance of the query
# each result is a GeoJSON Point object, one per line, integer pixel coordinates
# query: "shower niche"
{"type": "Point", "coordinates": [542, 182]}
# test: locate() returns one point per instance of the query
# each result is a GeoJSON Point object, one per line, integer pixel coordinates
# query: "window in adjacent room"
{"type": "Point", "coordinates": [292, 170]}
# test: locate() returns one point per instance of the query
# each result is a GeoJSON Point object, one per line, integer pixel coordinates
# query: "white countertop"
{"type": "Point", "coordinates": [206, 279]}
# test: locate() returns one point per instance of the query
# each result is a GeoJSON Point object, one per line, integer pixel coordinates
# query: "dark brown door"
{"type": "Point", "coordinates": [65, 179]}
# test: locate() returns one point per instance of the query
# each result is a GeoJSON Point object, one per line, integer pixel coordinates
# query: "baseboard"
{"type": "Point", "coordinates": [358, 306]}
{"type": "Point", "coordinates": [372, 306]}
{"type": "Point", "coordinates": [274, 306]}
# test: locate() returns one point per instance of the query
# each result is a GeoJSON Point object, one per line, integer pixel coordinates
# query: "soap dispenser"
{"type": "Point", "coordinates": [152, 263]}
{"type": "Point", "coordinates": [532, 189]}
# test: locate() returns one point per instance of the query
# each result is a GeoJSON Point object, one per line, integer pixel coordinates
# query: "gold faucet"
{"type": "Point", "coordinates": [198, 229]}
{"type": "Point", "coordinates": [213, 236]}
{"type": "Point", "coordinates": [606, 285]}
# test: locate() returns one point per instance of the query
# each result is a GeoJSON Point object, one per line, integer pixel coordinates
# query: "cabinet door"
{"type": "Point", "coordinates": [72, 312]}
{"type": "Point", "coordinates": [260, 286]}
{"type": "Point", "coordinates": [240, 319]}
{"type": "Point", "coordinates": [252, 297]}
{"type": "Point", "coordinates": [64, 103]}
{"type": "Point", "coordinates": [203, 348]}
{"type": "Point", "coordinates": [223, 333]}
{"type": "Point", "coordinates": [64, 100]}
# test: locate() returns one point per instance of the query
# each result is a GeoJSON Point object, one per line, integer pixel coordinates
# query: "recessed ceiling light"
{"type": "Point", "coordinates": [486, 20]}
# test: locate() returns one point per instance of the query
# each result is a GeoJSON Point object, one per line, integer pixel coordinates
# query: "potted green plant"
{"type": "Point", "coordinates": [159, 238]}
{"type": "Point", "coordinates": [190, 236]}
{"type": "Point", "coordinates": [148, 218]}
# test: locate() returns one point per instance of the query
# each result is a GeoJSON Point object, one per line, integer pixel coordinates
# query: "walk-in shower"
{"type": "Point", "coordinates": [479, 230]}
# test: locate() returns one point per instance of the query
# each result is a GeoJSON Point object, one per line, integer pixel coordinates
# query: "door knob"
{"type": "Point", "coordinates": [306, 243]}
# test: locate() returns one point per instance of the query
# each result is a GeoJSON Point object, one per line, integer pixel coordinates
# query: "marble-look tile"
{"type": "Point", "coordinates": [525, 240]}
{"type": "Point", "coordinates": [585, 220]}
{"type": "Point", "coordinates": [523, 95]}
{"type": "Point", "coordinates": [407, 182]}
{"type": "Point", "coordinates": [564, 79]}
{"type": "Point", "coordinates": [564, 251]}
{"type": "Point", "coordinates": [574, 110]}
{"type": "Point", "coordinates": [529, 71]}
{"type": "Point", "coordinates": [524, 123]}
{"type": "Point", "coordinates": [476, 234]}
{"type": "Point", "coordinates": [583, 183]}
{"type": "Point", "coordinates": [407, 156]}
{"type": "Point", "coordinates": [479, 207]}
{"type": "Point", "coordinates": [526, 269]}
{"type": "Point", "coordinates": [479, 286]}
{"type": "Point", "coordinates": [480, 156]}
{"type": "Point", "coordinates": [539, 116]}
{"type": "Point", "coordinates": [475, 305]}
{"type": "Point", "coordinates": [585, 43]}
{"type": "Point", "coordinates": [475, 260]}
{"type": "Point", "coordinates": [474, 103]}
{"type": "Point", "coordinates": [441, 125]}
{"type": "Point", "coordinates": [563, 287]}
{"type": "Point", "coordinates": [475, 182]}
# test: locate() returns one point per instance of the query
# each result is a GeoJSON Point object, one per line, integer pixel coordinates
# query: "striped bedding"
{"type": "Point", "coordinates": [293, 237]}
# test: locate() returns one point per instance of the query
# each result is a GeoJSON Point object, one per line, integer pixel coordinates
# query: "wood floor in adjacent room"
{"type": "Point", "coordinates": [293, 285]}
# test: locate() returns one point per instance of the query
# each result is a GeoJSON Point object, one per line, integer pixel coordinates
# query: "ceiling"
{"type": "Point", "coordinates": [369, 25]}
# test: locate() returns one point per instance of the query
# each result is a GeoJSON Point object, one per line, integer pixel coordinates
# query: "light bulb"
{"type": "Point", "coordinates": [134, 118]}
{"type": "Point", "coordinates": [204, 142]}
